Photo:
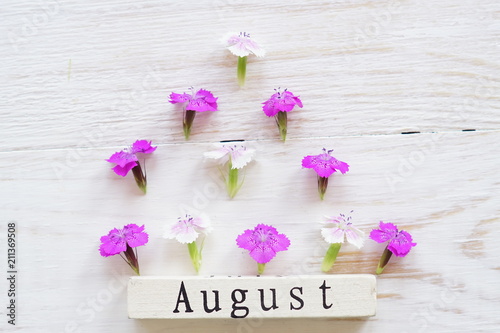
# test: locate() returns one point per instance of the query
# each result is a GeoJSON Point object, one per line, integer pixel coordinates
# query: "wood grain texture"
{"type": "Point", "coordinates": [365, 70]}
{"type": "Point", "coordinates": [360, 67]}
{"type": "Point", "coordinates": [447, 201]}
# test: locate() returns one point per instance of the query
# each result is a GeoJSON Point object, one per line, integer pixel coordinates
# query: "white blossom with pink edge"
{"type": "Point", "coordinates": [241, 45]}
{"type": "Point", "coordinates": [238, 154]}
{"type": "Point", "coordinates": [338, 229]}
{"type": "Point", "coordinates": [187, 229]}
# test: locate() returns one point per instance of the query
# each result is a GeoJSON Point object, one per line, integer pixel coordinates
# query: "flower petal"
{"type": "Point", "coordinates": [241, 157]}
{"type": "Point", "coordinates": [269, 109]}
{"type": "Point", "coordinates": [401, 244]}
{"type": "Point", "coordinates": [142, 146]}
{"type": "Point", "coordinates": [242, 45]}
{"type": "Point", "coordinates": [386, 232]}
{"type": "Point", "coordinates": [262, 254]}
{"type": "Point", "coordinates": [123, 170]}
{"type": "Point", "coordinates": [355, 236]}
{"type": "Point", "coordinates": [217, 154]}
{"type": "Point", "coordinates": [122, 158]}
{"type": "Point", "coordinates": [246, 240]}
{"type": "Point", "coordinates": [135, 235]}
{"type": "Point", "coordinates": [333, 235]}
{"type": "Point", "coordinates": [179, 98]}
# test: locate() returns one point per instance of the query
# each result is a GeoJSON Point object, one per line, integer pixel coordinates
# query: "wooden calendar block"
{"type": "Point", "coordinates": [333, 296]}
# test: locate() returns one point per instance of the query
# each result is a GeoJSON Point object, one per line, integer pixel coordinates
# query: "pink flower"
{"type": "Point", "coordinates": [242, 45]}
{"type": "Point", "coordinates": [127, 160]}
{"type": "Point", "coordinates": [278, 105]}
{"type": "Point", "coordinates": [280, 101]}
{"type": "Point", "coordinates": [400, 242]}
{"type": "Point", "coordinates": [124, 240]}
{"type": "Point", "coordinates": [201, 101]}
{"type": "Point", "coordinates": [324, 164]}
{"type": "Point", "coordinates": [142, 146]}
{"type": "Point", "coordinates": [124, 161]}
{"type": "Point", "coordinates": [263, 242]}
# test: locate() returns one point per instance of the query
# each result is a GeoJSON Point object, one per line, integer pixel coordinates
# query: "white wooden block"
{"type": "Point", "coordinates": [334, 296]}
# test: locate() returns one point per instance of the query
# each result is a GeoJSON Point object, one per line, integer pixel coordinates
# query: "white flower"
{"type": "Point", "coordinates": [187, 229]}
{"type": "Point", "coordinates": [242, 45]}
{"type": "Point", "coordinates": [237, 154]}
{"type": "Point", "coordinates": [339, 228]}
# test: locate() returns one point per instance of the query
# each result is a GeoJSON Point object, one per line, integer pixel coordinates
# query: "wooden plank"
{"type": "Point", "coordinates": [441, 187]}
{"type": "Point", "coordinates": [307, 296]}
{"type": "Point", "coordinates": [360, 67]}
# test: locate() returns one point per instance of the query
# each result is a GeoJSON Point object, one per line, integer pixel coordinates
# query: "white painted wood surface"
{"type": "Point", "coordinates": [241, 297]}
{"type": "Point", "coordinates": [82, 80]}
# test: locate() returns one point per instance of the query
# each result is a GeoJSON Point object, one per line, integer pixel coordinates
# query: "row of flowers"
{"type": "Point", "coordinates": [232, 156]}
{"type": "Point", "coordinates": [263, 241]}
{"type": "Point", "coordinates": [277, 106]}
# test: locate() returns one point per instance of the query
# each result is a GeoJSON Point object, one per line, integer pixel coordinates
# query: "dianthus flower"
{"type": "Point", "coordinates": [337, 229]}
{"type": "Point", "coordinates": [263, 242]}
{"type": "Point", "coordinates": [119, 241]}
{"type": "Point", "coordinates": [278, 105]}
{"type": "Point", "coordinates": [127, 160]}
{"type": "Point", "coordinates": [325, 165]}
{"type": "Point", "coordinates": [242, 46]}
{"type": "Point", "coordinates": [200, 101]}
{"type": "Point", "coordinates": [234, 157]}
{"type": "Point", "coordinates": [400, 242]}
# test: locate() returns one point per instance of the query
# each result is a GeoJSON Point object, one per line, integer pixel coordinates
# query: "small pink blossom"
{"type": "Point", "coordinates": [142, 146]}
{"type": "Point", "coordinates": [122, 242]}
{"type": "Point", "coordinates": [400, 242]}
{"type": "Point", "coordinates": [242, 45]}
{"type": "Point", "coordinates": [281, 101]}
{"type": "Point", "coordinates": [127, 159]}
{"type": "Point", "coordinates": [201, 101]}
{"type": "Point", "coordinates": [116, 240]}
{"type": "Point", "coordinates": [263, 242]}
{"type": "Point", "coordinates": [324, 164]}
{"type": "Point", "coordinates": [124, 161]}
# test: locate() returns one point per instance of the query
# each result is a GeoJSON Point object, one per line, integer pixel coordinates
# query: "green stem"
{"type": "Point", "coordinates": [282, 121]}
{"type": "Point", "coordinates": [260, 268]}
{"type": "Point", "coordinates": [195, 256]}
{"type": "Point", "coordinates": [386, 256]}
{"type": "Point", "coordinates": [242, 70]}
{"type": "Point", "coordinates": [330, 256]}
{"type": "Point", "coordinates": [232, 182]}
{"type": "Point", "coordinates": [188, 122]}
